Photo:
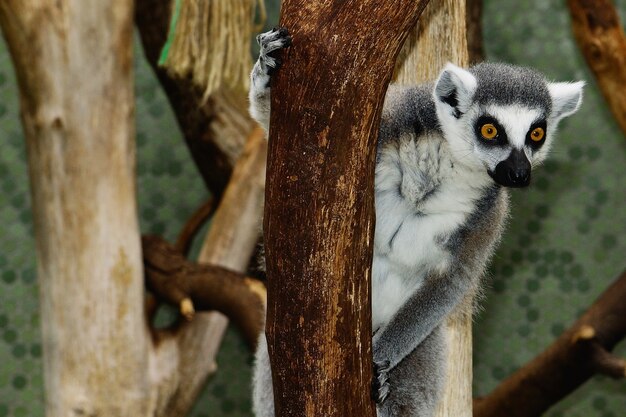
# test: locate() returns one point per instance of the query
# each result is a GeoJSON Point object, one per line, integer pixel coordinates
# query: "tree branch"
{"type": "Point", "coordinates": [606, 363]}
{"type": "Point", "coordinates": [193, 225]}
{"type": "Point", "coordinates": [215, 129]}
{"type": "Point", "coordinates": [572, 359]}
{"type": "Point", "coordinates": [600, 36]}
{"type": "Point", "coordinates": [207, 287]}
{"type": "Point", "coordinates": [188, 353]}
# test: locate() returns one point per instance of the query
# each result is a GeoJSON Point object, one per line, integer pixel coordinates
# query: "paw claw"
{"type": "Point", "coordinates": [271, 43]}
{"type": "Point", "coordinates": [380, 383]}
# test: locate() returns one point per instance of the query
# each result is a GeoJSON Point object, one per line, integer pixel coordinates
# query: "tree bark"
{"type": "Point", "coordinates": [579, 353]}
{"type": "Point", "coordinates": [441, 37]}
{"type": "Point", "coordinates": [319, 220]}
{"type": "Point", "coordinates": [73, 61]}
{"type": "Point", "coordinates": [600, 36]}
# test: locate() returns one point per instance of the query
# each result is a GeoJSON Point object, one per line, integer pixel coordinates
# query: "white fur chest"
{"type": "Point", "coordinates": [422, 198]}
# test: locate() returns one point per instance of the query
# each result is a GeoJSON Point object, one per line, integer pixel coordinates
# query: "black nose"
{"type": "Point", "coordinates": [514, 171]}
{"type": "Point", "coordinates": [519, 176]}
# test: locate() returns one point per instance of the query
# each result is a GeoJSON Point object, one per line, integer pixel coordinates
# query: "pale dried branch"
{"type": "Point", "coordinates": [191, 349]}
{"type": "Point", "coordinates": [215, 129]}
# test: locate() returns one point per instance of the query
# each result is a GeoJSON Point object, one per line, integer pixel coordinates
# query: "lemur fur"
{"type": "Point", "coordinates": [446, 150]}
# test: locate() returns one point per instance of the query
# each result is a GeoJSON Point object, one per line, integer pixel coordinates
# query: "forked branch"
{"type": "Point", "coordinates": [192, 286]}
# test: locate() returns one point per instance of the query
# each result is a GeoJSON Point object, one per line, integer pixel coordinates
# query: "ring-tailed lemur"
{"type": "Point", "coordinates": [445, 153]}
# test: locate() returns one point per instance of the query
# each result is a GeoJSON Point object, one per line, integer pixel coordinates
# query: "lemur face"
{"type": "Point", "coordinates": [502, 118]}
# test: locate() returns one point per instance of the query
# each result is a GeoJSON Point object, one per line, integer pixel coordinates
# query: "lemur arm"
{"type": "Point", "coordinates": [441, 292]}
{"type": "Point", "coordinates": [419, 316]}
{"type": "Point", "coordinates": [259, 95]}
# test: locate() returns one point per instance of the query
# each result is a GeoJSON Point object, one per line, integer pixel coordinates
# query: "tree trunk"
{"type": "Point", "coordinates": [74, 64]}
{"type": "Point", "coordinates": [73, 61]}
{"type": "Point", "coordinates": [319, 220]}
{"type": "Point", "coordinates": [441, 37]}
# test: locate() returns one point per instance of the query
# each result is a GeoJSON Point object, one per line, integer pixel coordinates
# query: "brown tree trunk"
{"type": "Point", "coordinates": [74, 64]}
{"type": "Point", "coordinates": [319, 220]}
{"type": "Point", "coordinates": [440, 37]}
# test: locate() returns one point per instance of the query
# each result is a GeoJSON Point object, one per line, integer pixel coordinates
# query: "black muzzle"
{"type": "Point", "coordinates": [514, 171]}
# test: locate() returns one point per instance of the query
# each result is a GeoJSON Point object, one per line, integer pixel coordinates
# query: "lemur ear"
{"type": "Point", "coordinates": [455, 87]}
{"type": "Point", "coordinates": [566, 98]}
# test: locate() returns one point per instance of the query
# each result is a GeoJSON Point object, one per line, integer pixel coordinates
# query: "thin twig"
{"type": "Point", "coordinates": [194, 224]}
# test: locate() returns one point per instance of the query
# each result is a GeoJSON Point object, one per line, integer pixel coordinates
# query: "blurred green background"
{"type": "Point", "coordinates": [565, 242]}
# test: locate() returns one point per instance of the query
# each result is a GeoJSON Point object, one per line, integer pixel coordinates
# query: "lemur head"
{"type": "Point", "coordinates": [502, 118]}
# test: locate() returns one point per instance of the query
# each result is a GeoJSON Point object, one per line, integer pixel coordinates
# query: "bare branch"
{"type": "Point", "coordinates": [191, 349]}
{"type": "Point", "coordinates": [193, 287]}
{"type": "Point", "coordinates": [215, 129]}
{"type": "Point", "coordinates": [193, 225]}
{"type": "Point", "coordinates": [604, 362]}
{"type": "Point", "coordinates": [600, 36]}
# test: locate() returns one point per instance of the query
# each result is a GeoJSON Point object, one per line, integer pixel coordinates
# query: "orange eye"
{"type": "Point", "coordinates": [537, 134]}
{"type": "Point", "coordinates": [488, 131]}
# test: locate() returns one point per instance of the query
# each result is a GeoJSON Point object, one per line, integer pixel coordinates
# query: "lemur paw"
{"type": "Point", "coordinates": [380, 382]}
{"type": "Point", "coordinates": [274, 40]}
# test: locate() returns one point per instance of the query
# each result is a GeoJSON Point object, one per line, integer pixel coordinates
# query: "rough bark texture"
{"type": "Point", "coordinates": [572, 359]}
{"type": "Point", "coordinates": [215, 129]}
{"type": "Point", "coordinates": [73, 61]}
{"type": "Point", "coordinates": [319, 220]}
{"type": "Point", "coordinates": [440, 37]}
{"type": "Point", "coordinates": [600, 36]}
